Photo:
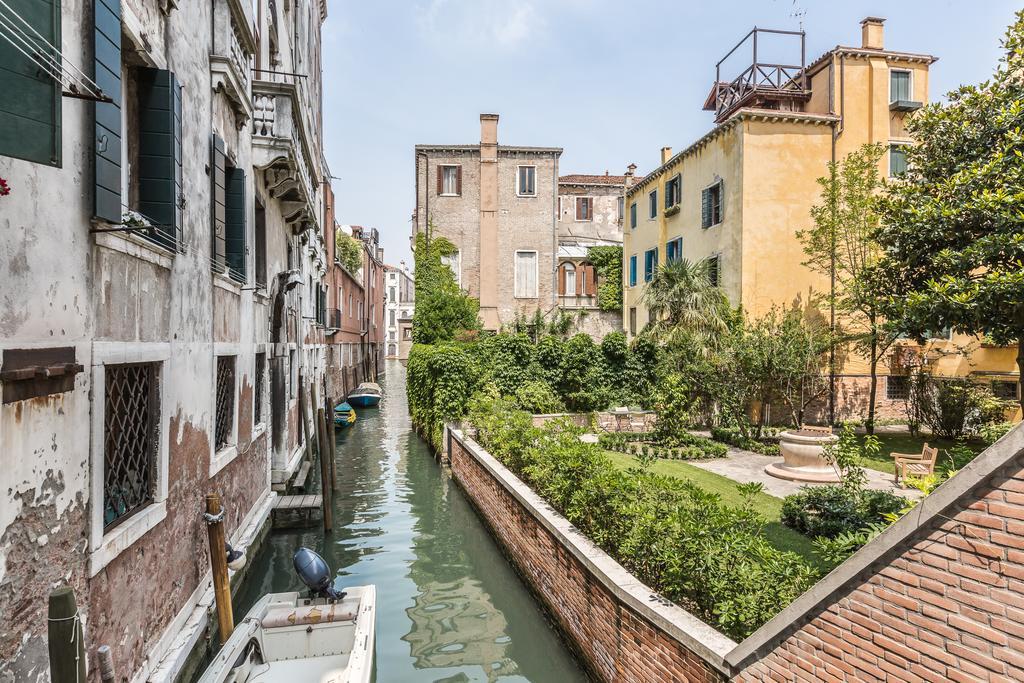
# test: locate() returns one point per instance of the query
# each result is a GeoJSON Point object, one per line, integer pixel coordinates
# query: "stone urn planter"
{"type": "Point", "coordinates": [803, 456]}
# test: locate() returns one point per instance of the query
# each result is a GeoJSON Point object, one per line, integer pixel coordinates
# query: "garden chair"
{"type": "Point", "coordinates": [915, 464]}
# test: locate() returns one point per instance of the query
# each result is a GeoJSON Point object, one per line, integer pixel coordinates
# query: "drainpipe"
{"type": "Point", "coordinates": [554, 242]}
{"type": "Point", "coordinates": [837, 130]}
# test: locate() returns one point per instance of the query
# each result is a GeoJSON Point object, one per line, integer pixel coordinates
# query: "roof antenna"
{"type": "Point", "coordinates": [798, 13]}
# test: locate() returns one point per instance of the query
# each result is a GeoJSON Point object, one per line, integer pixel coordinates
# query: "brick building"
{"type": "Point", "coordinates": [161, 307]}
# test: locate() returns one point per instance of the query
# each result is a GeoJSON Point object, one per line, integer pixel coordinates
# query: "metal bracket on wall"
{"type": "Point", "coordinates": [29, 373]}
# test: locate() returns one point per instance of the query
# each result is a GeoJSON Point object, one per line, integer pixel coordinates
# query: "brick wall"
{"type": "Point", "coordinates": [619, 638]}
{"type": "Point", "coordinates": [944, 604]}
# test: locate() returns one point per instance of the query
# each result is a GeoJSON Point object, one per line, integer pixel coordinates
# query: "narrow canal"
{"type": "Point", "coordinates": [450, 609]}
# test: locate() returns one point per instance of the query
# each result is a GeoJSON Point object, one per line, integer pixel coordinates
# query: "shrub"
{"type": "Point", "coordinates": [439, 383]}
{"type": "Point", "coordinates": [681, 540]}
{"type": "Point", "coordinates": [956, 407]}
{"type": "Point", "coordinates": [734, 437]}
{"type": "Point", "coordinates": [829, 511]}
{"type": "Point", "coordinates": [535, 396]}
{"type": "Point", "coordinates": [992, 432]}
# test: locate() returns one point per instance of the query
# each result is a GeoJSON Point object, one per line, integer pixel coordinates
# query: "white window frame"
{"type": "Point", "coordinates": [519, 190]}
{"type": "Point", "coordinates": [105, 547]}
{"type": "Point", "coordinates": [903, 71]}
{"type": "Point", "coordinates": [576, 216]}
{"type": "Point", "coordinates": [222, 458]}
{"type": "Point", "coordinates": [450, 194]}
{"type": "Point", "coordinates": [536, 273]}
{"type": "Point", "coordinates": [457, 270]}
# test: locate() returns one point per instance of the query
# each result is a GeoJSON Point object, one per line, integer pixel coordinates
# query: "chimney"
{"type": "Point", "coordinates": [630, 172]}
{"type": "Point", "coordinates": [488, 129]}
{"type": "Point", "coordinates": [666, 154]}
{"type": "Point", "coordinates": [872, 33]}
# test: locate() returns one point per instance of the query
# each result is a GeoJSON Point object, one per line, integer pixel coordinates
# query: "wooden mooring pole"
{"type": "Point", "coordinates": [219, 566]}
{"type": "Point", "coordinates": [304, 419]}
{"type": "Point", "coordinates": [331, 443]}
{"type": "Point", "coordinates": [325, 470]}
{"type": "Point", "coordinates": [106, 662]}
{"type": "Point", "coordinates": [64, 636]}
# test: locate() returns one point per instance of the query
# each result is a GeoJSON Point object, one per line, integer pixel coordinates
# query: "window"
{"type": "Point", "coordinates": [350, 309]}
{"type": "Point", "coordinates": [407, 333]}
{"type": "Point", "coordinates": [632, 215]}
{"type": "Point", "coordinates": [526, 275]}
{"type": "Point", "coordinates": [391, 335]}
{"type": "Point", "coordinates": [900, 86]}
{"type": "Point", "coordinates": [31, 111]}
{"type": "Point", "coordinates": [225, 416]}
{"type": "Point", "coordinates": [129, 440]}
{"type": "Point", "coordinates": [945, 334]}
{"type": "Point", "coordinates": [584, 268]}
{"type": "Point", "coordinates": [620, 208]}
{"type": "Point", "coordinates": [449, 181]}
{"type": "Point", "coordinates": [674, 250]}
{"type": "Point", "coordinates": [652, 204]}
{"type": "Point", "coordinates": [897, 387]}
{"type": "Point", "coordinates": [392, 350]}
{"type": "Point", "coordinates": [260, 374]}
{"type": "Point", "coordinates": [713, 266]}
{"type": "Point", "coordinates": [1005, 390]}
{"type": "Point", "coordinates": [632, 270]}
{"type": "Point", "coordinates": [672, 191]}
{"type": "Point", "coordinates": [391, 295]}
{"type": "Point", "coordinates": [897, 160]}
{"type": "Point", "coordinates": [454, 264]}
{"type": "Point", "coordinates": [261, 246]}
{"type": "Point", "coordinates": [650, 264]}
{"type": "Point", "coordinates": [632, 320]}
{"type": "Point", "coordinates": [568, 284]}
{"type": "Point", "coordinates": [391, 318]}
{"type": "Point", "coordinates": [711, 205]}
{"type": "Point", "coordinates": [293, 374]}
{"type": "Point", "coordinates": [584, 208]}
{"type": "Point", "coordinates": [526, 181]}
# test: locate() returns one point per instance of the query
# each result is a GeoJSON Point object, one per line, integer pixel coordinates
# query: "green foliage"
{"type": "Point", "coordinates": [680, 446]}
{"type": "Point", "coordinates": [834, 551]}
{"type": "Point", "coordinates": [990, 433]}
{"type": "Point", "coordinates": [439, 383]}
{"type": "Point", "coordinates": [951, 228]}
{"type": "Point", "coordinates": [829, 511]}
{"type": "Point", "coordinates": [348, 251]}
{"type": "Point", "coordinates": [955, 407]}
{"type": "Point", "coordinates": [734, 437]}
{"type": "Point", "coordinates": [443, 310]}
{"type": "Point", "coordinates": [679, 539]}
{"type": "Point", "coordinates": [681, 299]}
{"type": "Point", "coordinates": [673, 404]}
{"type": "Point", "coordinates": [847, 457]}
{"type": "Point", "coordinates": [509, 358]}
{"type": "Point", "coordinates": [580, 382]}
{"type": "Point", "coordinates": [537, 397]}
{"type": "Point", "coordinates": [643, 368]}
{"type": "Point", "coordinates": [608, 264]}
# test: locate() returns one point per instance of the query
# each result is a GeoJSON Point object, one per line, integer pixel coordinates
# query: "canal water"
{"type": "Point", "coordinates": [450, 609]}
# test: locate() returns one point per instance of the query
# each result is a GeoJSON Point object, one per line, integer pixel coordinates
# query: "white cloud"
{"type": "Point", "coordinates": [479, 22]}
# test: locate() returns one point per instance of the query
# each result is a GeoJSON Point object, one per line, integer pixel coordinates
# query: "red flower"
{"type": "Point", "coordinates": [5, 189]}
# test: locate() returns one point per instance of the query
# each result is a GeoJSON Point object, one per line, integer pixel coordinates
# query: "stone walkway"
{"type": "Point", "coordinates": [746, 466]}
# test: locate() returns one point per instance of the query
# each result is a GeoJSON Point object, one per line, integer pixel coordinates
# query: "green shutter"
{"type": "Point", "coordinates": [107, 145]}
{"type": "Point", "coordinates": [31, 100]}
{"type": "Point", "coordinates": [234, 221]}
{"type": "Point", "coordinates": [218, 212]}
{"type": "Point", "coordinates": [159, 172]}
{"type": "Point", "coordinates": [705, 208]}
{"type": "Point", "coordinates": [721, 201]}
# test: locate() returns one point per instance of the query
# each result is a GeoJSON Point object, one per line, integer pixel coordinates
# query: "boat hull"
{"type": "Point", "coordinates": [364, 401]}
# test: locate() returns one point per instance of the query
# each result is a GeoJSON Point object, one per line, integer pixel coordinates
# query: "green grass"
{"type": "Point", "coordinates": [769, 507]}
{"type": "Point", "coordinates": [902, 442]}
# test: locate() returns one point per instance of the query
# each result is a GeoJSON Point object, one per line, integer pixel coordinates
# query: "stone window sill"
{"type": "Point", "coordinates": [140, 248]}
{"type": "Point", "coordinates": [125, 535]}
{"type": "Point", "coordinates": [223, 458]}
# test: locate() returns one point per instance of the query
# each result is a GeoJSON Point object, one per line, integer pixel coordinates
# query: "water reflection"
{"type": "Point", "coordinates": [450, 609]}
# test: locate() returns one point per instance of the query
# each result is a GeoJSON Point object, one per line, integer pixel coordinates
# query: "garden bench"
{"type": "Point", "coordinates": [915, 464]}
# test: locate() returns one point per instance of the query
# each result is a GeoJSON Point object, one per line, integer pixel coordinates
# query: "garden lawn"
{"type": "Point", "coordinates": [902, 442]}
{"type": "Point", "coordinates": [769, 507]}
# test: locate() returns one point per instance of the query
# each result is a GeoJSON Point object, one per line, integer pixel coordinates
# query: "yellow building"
{"type": "Point", "coordinates": [739, 195]}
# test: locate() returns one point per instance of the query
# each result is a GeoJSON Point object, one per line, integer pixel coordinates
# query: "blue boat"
{"type": "Point", "coordinates": [344, 415]}
{"type": "Point", "coordinates": [366, 395]}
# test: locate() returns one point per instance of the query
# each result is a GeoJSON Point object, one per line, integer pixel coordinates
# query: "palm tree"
{"type": "Point", "coordinates": [681, 299]}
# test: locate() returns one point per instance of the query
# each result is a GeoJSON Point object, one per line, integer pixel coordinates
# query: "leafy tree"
{"type": "Point", "coordinates": [681, 298]}
{"type": "Point", "coordinates": [952, 228]}
{"type": "Point", "coordinates": [842, 243]}
{"type": "Point", "coordinates": [581, 378]}
{"type": "Point", "coordinates": [348, 251]}
{"type": "Point", "coordinates": [608, 264]}
{"type": "Point", "coordinates": [442, 308]}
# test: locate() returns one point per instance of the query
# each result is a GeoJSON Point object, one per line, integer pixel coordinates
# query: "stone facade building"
{"type": "Point", "coordinates": [400, 296]}
{"type": "Point", "coordinates": [161, 306]}
{"type": "Point", "coordinates": [502, 208]}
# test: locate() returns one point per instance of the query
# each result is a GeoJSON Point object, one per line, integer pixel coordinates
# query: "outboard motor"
{"type": "Point", "coordinates": [315, 573]}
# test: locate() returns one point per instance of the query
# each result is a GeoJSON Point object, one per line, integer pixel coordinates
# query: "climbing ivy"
{"type": "Point", "coordinates": [608, 263]}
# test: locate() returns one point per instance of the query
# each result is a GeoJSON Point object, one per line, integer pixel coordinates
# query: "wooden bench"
{"type": "Point", "coordinates": [915, 464]}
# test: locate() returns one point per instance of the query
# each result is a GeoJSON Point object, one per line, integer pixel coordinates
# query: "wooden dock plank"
{"type": "Point", "coordinates": [304, 502]}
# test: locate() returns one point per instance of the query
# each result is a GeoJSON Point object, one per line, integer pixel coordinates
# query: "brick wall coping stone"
{"type": "Point", "coordinates": [698, 637]}
{"type": "Point", "coordinates": [953, 490]}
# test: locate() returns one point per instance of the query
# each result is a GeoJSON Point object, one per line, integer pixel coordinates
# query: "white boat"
{"type": "Point", "coordinates": [366, 395]}
{"type": "Point", "coordinates": [293, 638]}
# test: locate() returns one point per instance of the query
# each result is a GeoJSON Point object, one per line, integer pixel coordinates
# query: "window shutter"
{"type": "Point", "coordinates": [107, 145]}
{"type": "Point", "coordinates": [591, 280]}
{"type": "Point", "coordinates": [705, 208]}
{"type": "Point", "coordinates": [458, 180]}
{"type": "Point", "coordinates": [561, 280]}
{"type": "Point", "coordinates": [440, 179]}
{"type": "Point", "coordinates": [160, 194]}
{"type": "Point", "coordinates": [30, 108]}
{"type": "Point", "coordinates": [721, 201]}
{"type": "Point", "coordinates": [234, 222]}
{"type": "Point", "coordinates": [579, 208]}
{"type": "Point", "coordinates": [218, 182]}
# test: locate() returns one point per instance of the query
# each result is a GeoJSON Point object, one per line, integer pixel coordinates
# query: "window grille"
{"type": "Point", "coordinates": [225, 401]}
{"type": "Point", "coordinates": [897, 387]}
{"type": "Point", "coordinates": [129, 440]}
{"type": "Point", "coordinates": [1005, 390]}
{"type": "Point", "coordinates": [261, 370]}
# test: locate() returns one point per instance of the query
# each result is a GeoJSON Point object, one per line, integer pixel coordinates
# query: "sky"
{"type": "Point", "coordinates": [609, 81]}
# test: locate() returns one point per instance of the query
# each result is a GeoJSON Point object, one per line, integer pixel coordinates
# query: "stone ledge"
{"type": "Point", "coordinates": [692, 633]}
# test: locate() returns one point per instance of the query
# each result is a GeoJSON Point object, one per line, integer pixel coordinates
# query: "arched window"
{"type": "Point", "coordinates": [567, 283]}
